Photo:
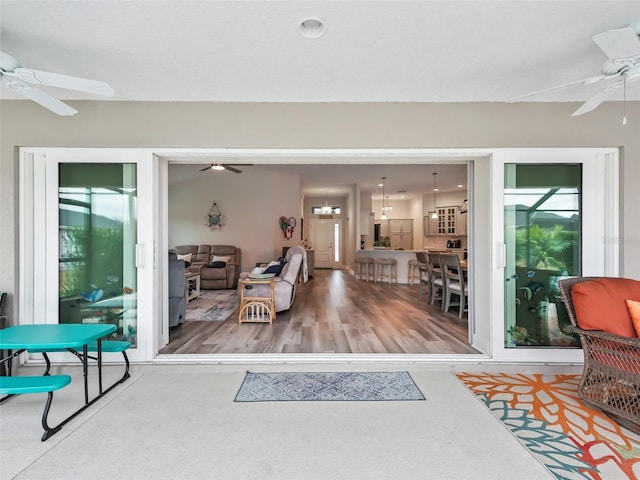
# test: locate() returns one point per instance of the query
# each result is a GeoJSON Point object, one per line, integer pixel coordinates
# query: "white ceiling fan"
{"type": "Point", "coordinates": [226, 166]}
{"type": "Point", "coordinates": [21, 80]}
{"type": "Point", "coordinates": [622, 48]}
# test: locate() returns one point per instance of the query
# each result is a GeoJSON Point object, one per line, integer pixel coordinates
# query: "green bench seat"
{"type": "Point", "coordinates": [32, 384]}
{"type": "Point", "coordinates": [109, 346]}
{"type": "Point", "coordinates": [10, 386]}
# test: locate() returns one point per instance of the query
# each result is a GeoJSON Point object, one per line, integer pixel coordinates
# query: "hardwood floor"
{"type": "Point", "coordinates": [334, 313]}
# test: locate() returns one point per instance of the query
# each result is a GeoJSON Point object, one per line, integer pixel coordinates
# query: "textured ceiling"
{"type": "Point", "coordinates": [373, 51]}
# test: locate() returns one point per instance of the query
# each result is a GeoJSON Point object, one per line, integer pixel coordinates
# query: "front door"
{"type": "Point", "coordinates": [325, 237]}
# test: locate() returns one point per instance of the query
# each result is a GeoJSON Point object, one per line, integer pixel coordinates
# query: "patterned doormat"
{"type": "Point", "coordinates": [545, 413]}
{"type": "Point", "coordinates": [328, 386]}
{"type": "Point", "coordinates": [213, 306]}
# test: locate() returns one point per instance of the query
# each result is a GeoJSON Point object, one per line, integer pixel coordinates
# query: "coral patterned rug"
{"type": "Point", "coordinates": [545, 413]}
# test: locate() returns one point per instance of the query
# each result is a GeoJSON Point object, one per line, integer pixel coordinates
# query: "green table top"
{"type": "Point", "coordinates": [53, 336]}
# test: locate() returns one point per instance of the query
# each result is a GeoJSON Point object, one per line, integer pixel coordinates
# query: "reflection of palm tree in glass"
{"type": "Point", "coordinates": [542, 248]}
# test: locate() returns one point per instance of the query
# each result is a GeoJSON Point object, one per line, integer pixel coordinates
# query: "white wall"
{"type": "Point", "coordinates": [317, 125]}
{"type": "Point", "coordinates": [251, 202]}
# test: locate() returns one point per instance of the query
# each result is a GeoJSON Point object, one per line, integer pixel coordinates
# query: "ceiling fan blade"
{"type": "Point", "coordinates": [64, 81]}
{"type": "Point", "coordinates": [596, 100]}
{"type": "Point", "coordinates": [231, 169]}
{"type": "Point", "coordinates": [585, 81]}
{"type": "Point", "coordinates": [619, 43]}
{"type": "Point", "coordinates": [42, 98]}
{"type": "Point", "coordinates": [206, 168]}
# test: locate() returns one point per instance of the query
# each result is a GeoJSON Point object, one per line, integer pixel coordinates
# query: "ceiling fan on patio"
{"type": "Point", "coordinates": [622, 48]}
{"type": "Point", "coordinates": [226, 166]}
{"type": "Point", "coordinates": [21, 80]}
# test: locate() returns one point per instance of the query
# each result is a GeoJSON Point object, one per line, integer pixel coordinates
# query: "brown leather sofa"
{"type": "Point", "coordinates": [213, 276]}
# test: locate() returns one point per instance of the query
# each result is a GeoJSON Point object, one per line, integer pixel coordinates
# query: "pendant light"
{"type": "Point", "coordinates": [434, 214]}
{"type": "Point", "coordinates": [326, 208]}
{"type": "Point", "coordinates": [384, 215]}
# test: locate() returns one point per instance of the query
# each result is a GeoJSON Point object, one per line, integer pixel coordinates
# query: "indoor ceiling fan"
{"type": "Point", "coordinates": [622, 48]}
{"type": "Point", "coordinates": [21, 80]}
{"type": "Point", "coordinates": [226, 166]}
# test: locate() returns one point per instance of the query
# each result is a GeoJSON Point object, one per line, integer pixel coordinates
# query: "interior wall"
{"type": "Point", "coordinates": [317, 125]}
{"type": "Point", "coordinates": [251, 202]}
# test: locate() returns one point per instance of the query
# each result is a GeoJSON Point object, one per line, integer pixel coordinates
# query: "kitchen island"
{"type": "Point", "coordinates": [401, 256]}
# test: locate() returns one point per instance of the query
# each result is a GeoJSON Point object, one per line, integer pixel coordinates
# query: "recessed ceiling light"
{"type": "Point", "coordinates": [460, 186]}
{"type": "Point", "coordinates": [312, 28]}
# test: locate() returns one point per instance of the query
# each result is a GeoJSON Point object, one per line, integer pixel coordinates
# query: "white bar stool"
{"type": "Point", "coordinates": [392, 269]}
{"type": "Point", "coordinates": [364, 267]}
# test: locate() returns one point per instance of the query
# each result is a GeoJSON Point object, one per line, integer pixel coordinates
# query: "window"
{"type": "Point", "coordinates": [326, 210]}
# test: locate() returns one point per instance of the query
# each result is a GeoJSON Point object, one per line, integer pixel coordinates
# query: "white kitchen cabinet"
{"type": "Point", "coordinates": [461, 223]}
{"type": "Point", "coordinates": [384, 228]}
{"type": "Point", "coordinates": [401, 233]}
{"type": "Point", "coordinates": [449, 222]}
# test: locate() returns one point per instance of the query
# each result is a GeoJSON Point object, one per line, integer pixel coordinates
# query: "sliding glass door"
{"type": "Point", "coordinates": [557, 207]}
{"type": "Point", "coordinates": [88, 245]}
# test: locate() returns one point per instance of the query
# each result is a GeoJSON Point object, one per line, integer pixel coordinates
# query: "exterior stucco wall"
{"type": "Point", "coordinates": [317, 125]}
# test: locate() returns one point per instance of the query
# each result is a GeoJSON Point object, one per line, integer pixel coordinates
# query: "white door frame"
{"type": "Point", "coordinates": [483, 246]}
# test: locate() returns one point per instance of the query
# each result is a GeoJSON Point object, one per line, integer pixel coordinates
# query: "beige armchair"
{"type": "Point", "coordinates": [285, 283]}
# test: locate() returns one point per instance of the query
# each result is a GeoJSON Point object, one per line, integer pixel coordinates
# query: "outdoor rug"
{"type": "Point", "coordinates": [213, 305]}
{"type": "Point", "coordinates": [328, 386]}
{"type": "Point", "coordinates": [545, 413]}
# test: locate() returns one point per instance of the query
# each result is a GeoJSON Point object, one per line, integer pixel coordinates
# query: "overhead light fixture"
{"type": "Point", "coordinates": [217, 166]}
{"type": "Point", "coordinates": [326, 208]}
{"type": "Point", "coordinates": [434, 214]}
{"type": "Point", "coordinates": [384, 215]}
{"type": "Point", "coordinates": [312, 28]}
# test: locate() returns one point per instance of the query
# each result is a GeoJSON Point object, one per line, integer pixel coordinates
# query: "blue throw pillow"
{"type": "Point", "coordinates": [274, 269]}
{"type": "Point", "coordinates": [217, 264]}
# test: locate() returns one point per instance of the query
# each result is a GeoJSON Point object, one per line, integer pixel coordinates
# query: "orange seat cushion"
{"type": "Point", "coordinates": [601, 305]}
{"type": "Point", "coordinates": [634, 311]}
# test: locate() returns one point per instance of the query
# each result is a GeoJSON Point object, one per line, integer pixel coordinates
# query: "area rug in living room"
{"type": "Point", "coordinates": [328, 386]}
{"type": "Point", "coordinates": [571, 439]}
{"type": "Point", "coordinates": [213, 306]}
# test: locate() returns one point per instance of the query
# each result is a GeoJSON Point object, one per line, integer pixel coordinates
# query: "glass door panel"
{"type": "Point", "coordinates": [542, 213]}
{"type": "Point", "coordinates": [97, 206]}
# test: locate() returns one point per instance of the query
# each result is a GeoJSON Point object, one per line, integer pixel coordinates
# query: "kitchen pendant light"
{"type": "Point", "coordinates": [434, 214]}
{"type": "Point", "coordinates": [384, 215]}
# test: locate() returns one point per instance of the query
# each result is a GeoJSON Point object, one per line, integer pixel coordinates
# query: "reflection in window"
{"type": "Point", "coordinates": [97, 235]}
{"type": "Point", "coordinates": [542, 236]}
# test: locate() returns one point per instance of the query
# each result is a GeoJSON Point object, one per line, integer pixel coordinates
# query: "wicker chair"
{"type": "Point", "coordinates": [611, 375]}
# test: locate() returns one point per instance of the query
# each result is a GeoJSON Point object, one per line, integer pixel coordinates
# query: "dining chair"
{"type": "Point", "coordinates": [436, 279]}
{"type": "Point", "coordinates": [454, 283]}
{"type": "Point", "coordinates": [423, 268]}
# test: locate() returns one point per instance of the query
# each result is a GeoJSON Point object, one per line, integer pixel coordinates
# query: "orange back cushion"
{"type": "Point", "coordinates": [601, 305]}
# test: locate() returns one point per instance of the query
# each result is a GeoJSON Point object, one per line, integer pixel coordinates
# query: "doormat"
{"type": "Point", "coordinates": [328, 386]}
{"type": "Point", "coordinates": [570, 438]}
{"type": "Point", "coordinates": [213, 306]}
